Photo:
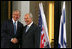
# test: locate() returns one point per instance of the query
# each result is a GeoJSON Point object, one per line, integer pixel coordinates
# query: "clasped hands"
{"type": "Point", "coordinates": [14, 40]}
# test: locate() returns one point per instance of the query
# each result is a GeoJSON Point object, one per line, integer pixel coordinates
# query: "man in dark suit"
{"type": "Point", "coordinates": [31, 33]}
{"type": "Point", "coordinates": [11, 32]}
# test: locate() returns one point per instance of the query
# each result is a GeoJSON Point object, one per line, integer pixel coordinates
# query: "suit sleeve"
{"type": "Point", "coordinates": [37, 37]}
{"type": "Point", "coordinates": [3, 34]}
{"type": "Point", "coordinates": [20, 39]}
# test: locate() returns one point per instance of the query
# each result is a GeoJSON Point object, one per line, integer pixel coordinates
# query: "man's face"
{"type": "Point", "coordinates": [27, 19]}
{"type": "Point", "coordinates": [16, 15]}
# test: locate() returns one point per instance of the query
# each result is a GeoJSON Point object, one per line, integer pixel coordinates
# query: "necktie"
{"type": "Point", "coordinates": [27, 28]}
{"type": "Point", "coordinates": [14, 27]}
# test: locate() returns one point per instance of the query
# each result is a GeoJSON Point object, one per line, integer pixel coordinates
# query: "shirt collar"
{"type": "Point", "coordinates": [13, 20]}
{"type": "Point", "coordinates": [30, 24]}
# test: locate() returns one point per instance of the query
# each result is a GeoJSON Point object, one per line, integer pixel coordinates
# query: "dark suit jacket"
{"type": "Point", "coordinates": [31, 38]}
{"type": "Point", "coordinates": [7, 32]}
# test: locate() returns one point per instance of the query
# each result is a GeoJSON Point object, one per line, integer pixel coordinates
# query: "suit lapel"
{"type": "Point", "coordinates": [17, 27]}
{"type": "Point", "coordinates": [11, 27]}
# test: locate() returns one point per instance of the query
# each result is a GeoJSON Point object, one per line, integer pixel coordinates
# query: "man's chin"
{"type": "Point", "coordinates": [16, 19]}
{"type": "Point", "coordinates": [27, 23]}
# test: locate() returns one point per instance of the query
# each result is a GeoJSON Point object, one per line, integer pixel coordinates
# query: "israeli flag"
{"type": "Point", "coordinates": [62, 32]}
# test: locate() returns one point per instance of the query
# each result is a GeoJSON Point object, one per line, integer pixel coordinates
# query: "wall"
{"type": "Point", "coordinates": [68, 23]}
{"type": "Point", "coordinates": [23, 6]}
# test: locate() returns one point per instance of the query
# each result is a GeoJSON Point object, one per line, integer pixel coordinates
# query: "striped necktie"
{"type": "Point", "coordinates": [27, 28]}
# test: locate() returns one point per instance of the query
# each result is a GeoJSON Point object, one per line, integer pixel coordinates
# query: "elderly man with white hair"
{"type": "Point", "coordinates": [31, 33]}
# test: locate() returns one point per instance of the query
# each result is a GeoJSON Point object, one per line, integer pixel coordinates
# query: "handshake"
{"type": "Point", "coordinates": [14, 40]}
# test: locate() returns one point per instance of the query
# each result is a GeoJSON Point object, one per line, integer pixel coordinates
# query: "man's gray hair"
{"type": "Point", "coordinates": [16, 11]}
{"type": "Point", "coordinates": [31, 15]}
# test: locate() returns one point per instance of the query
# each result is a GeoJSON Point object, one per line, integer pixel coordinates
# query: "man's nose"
{"type": "Point", "coordinates": [25, 19]}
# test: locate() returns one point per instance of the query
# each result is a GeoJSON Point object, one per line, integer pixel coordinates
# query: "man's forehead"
{"type": "Point", "coordinates": [16, 12]}
{"type": "Point", "coordinates": [27, 15]}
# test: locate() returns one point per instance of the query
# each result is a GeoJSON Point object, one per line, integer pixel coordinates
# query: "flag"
{"type": "Point", "coordinates": [44, 39]}
{"type": "Point", "coordinates": [62, 31]}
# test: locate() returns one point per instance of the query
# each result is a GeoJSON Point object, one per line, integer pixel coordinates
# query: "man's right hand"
{"type": "Point", "coordinates": [14, 40]}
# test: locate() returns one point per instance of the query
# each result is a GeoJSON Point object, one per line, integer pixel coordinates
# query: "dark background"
{"type": "Point", "coordinates": [57, 15]}
{"type": "Point", "coordinates": [4, 10]}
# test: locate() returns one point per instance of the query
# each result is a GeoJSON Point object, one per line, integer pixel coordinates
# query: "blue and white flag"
{"type": "Point", "coordinates": [44, 40]}
{"type": "Point", "coordinates": [62, 32]}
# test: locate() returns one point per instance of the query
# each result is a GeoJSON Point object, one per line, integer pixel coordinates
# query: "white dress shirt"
{"type": "Point", "coordinates": [28, 26]}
